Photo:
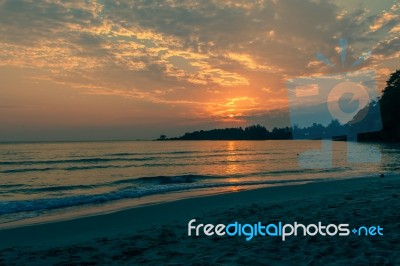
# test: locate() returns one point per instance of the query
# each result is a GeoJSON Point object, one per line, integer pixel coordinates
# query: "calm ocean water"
{"type": "Point", "coordinates": [38, 179]}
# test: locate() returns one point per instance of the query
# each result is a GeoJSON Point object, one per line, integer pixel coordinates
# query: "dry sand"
{"type": "Point", "coordinates": [157, 234]}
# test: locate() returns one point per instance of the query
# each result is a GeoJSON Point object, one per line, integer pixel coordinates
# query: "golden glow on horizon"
{"type": "Point", "coordinates": [97, 64]}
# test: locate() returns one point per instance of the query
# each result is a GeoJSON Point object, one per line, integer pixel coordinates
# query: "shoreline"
{"type": "Point", "coordinates": [280, 192]}
{"type": "Point", "coordinates": [142, 202]}
{"type": "Point", "coordinates": [158, 233]}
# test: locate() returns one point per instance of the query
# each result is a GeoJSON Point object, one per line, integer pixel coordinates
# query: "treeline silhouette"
{"type": "Point", "coordinates": [388, 109]}
{"type": "Point", "coordinates": [258, 132]}
{"type": "Point", "coordinates": [255, 132]}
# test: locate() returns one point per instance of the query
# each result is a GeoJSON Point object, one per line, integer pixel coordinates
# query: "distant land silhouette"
{"type": "Point", "coordinates": [389, 104]}
{"type": "Point", "coordinates": [255, 132]}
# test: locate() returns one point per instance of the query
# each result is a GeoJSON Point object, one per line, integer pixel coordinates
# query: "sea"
{"type": "Point", "coordinates": [59, 180]}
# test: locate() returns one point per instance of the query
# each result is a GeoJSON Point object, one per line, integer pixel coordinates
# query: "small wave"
{"type": "Point", "coordinates": [60, 188]}
{"type": "Point", "coordinates": [190, 178]}
{"type": "Point", "coordinates": [50, 189]}
{"type": "Point", "coordinates": [89, 167]}
{"type": "Point", "coordinates": [149, 153]}
{"type": "Point", "coordinates": [169, 152]}
{"type": "Point", "coordinates": [82, 160]}
{"type": "Point", "coordinates": [11, 185]}
{"type": "Point", "coordinates": [303, 171]}
{"type": "Point", "coordinates": [9, 207]}
{"type": "Point", "coordinates": [23, 170]}
{"type": "Point", "coordinates": [168, 179]}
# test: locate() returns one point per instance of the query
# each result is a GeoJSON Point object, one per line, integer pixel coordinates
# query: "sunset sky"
{"type": "Point", "coordinates": [82, 70]}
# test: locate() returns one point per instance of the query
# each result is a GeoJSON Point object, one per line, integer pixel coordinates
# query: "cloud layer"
{"type": "Point", "coordinates": [190, 61]}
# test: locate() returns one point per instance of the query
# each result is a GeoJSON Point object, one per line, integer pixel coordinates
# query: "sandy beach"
{"type": "Point", "coordinates": [157, 234]}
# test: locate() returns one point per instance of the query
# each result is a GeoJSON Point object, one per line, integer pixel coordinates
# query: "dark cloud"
{"type": "Point", "coordinates": [388, 47]}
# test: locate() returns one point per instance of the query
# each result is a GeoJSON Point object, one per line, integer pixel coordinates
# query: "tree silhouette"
{"type": "Point", "coordinates": [162, 137]}
{"type": "Point", "coordinates": [389, 111]}
{"type": "Point", "coordinates": [390, 108]}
